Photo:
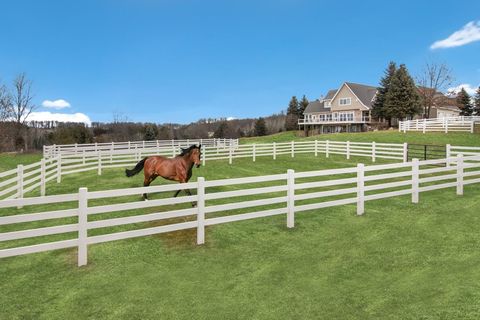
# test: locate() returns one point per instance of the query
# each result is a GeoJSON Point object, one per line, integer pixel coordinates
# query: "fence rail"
{"type": "Point", "coordinates": [67, 149]}
{"type": "Point", "coordinates": [17, 182]}
{"type": "Point", "coordinates": [451, 124]}
{"type": "Point", "coordinates": [221, 201]}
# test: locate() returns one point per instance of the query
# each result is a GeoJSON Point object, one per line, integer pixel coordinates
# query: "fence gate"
{"type": "Point", "coordinates": [426, 151]}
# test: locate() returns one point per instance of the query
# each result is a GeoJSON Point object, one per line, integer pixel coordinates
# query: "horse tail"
{"type": "Point", "coordinates": [137, 169]}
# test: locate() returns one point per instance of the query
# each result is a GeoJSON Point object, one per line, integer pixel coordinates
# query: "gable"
{"type": "Point", "coordinates": [346, 93]}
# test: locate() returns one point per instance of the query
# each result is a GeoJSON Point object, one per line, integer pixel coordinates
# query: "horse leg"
{"type": "Point", "coordinates": [146, 183]}
{"type": "Point", "coordinates": [194, 203]}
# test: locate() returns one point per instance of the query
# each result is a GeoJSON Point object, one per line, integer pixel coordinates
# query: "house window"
{"type": "Point", "coordinates": [327, 104]}
{"type": "Point", "coordinates": [346, 116]}
{"type": "Point", "coordinates": [345, 101]}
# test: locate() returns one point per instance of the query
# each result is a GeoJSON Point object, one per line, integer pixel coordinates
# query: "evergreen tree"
{"type": "Point", "coordinates": [402, 98]}
{"type": "Point", "coordinates": [221, 130]}
{"type": "Point", "coordinates": [378, 108]}
{"type": "Point", "coordinates": [260, 127]}
{"type": "Point", "coordinates": [150, 133]}
{"type": "Point", "coordinates": [464, 103]}
{"type": "Point", "coordinates": [291, 120]}
{"type": "Point", "coordinates": [302, 105]}
{"type": "Point", "coordinates": [476, 102]}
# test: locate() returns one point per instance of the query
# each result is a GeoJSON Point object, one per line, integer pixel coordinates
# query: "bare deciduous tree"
{"type": "Point", "coordinates": [434, 78]}
{"type": "Point", "coordinates": [22, 105]}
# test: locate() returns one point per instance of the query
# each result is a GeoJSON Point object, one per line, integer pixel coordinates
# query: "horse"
{"type": "Point", "coordinates": [178, 168]}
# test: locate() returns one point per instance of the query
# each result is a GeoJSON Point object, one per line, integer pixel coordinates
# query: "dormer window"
{"type": "Point", "coordinates": [345, 101]}
{"type": "Point", "coordinates": [327, 103]}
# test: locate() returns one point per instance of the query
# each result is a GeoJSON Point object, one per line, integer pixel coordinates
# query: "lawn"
{"type": "Point", "coordinates": [392, 136]}
{"type": "Point", "coordinates": [399, 261]}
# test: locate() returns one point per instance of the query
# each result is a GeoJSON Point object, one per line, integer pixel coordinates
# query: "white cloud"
{"type": "Point", "coordinates": [469, 33]}
{"type": "Point", "coordinates": [231, 118]}
{"type": "Point", "coordinates": [56, 104]}
{"type": "Point", "coordinates": [60, 117]}
{"type": "Point", "coordinates": [468, 87]}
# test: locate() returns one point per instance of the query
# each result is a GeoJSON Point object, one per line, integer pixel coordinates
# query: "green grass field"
{"type": "Point", "coordinates": [399, 261]}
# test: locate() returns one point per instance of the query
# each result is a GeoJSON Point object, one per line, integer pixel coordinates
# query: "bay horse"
{"type": "Point", "coordinates": [178, 168]}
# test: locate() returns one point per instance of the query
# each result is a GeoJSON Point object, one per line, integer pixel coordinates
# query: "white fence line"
{"type": "Point", "coordinates": [285, 194]}
{"type": "Point", "coordinates": [36, 175]}
{"type": "Point", "coordinates": [17, 182]}
{"type": "Point", "coordinates": [54, 150]}
{"type": "Point", "coordinates": [450, 124]}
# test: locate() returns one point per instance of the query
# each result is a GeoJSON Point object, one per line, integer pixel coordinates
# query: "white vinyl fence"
{"type": "Point", "coordinates": [451, 124]}
{"type": "Point", "coordinates": [132, 146]}
{"type": "Point", "coordinates": [15, 183]}
{"type": "Point", "coordinates": [86, 219]}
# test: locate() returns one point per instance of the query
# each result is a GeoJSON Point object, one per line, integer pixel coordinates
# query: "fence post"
{"type": "Point", "coordinates": [448, 153]}
{"type": "Point", "coordinates": [460, 174]}
{"type": "Point", "coordinates": [415, 179]}
{"type": "Point", "coordinates": [290, 198]}
{"type": "Point", "coordinates": [76, 147]}
{"type": "Point", "coordinates": [42, 177]}
{"type": "Point", "coordinates": [405, 152]}
{"type": "Point", "coordinates": [293, 148]}
{"type": "Point", "coordinates": [99, 164]}
{"type": "Point", "coordinates": [111, 152]}
{"type": "Point", "coordinates": [360, 189]}
{"type": "Point", "coordinates": [348, 149]}
{"type": "Point", "coordinates": [83, 156]}
{"type": "Point", "coordinates": [253, 152]}
{"type": "Point", "coordinates": [374, 147]}
{"type": "Point", "coordinates": [274, 151]}
{"type": "Point", "coordinates": [229, 155]}
{"type": "Point", "coordinates": [316, 147]}
{"type": "Point", "coordinates": [424, 126]}
{"type": "Point", "coordinates": [201, 210]}
{"type": "Point", "coordinates": [96, 146]}
{"type": "Point", "coordinates": [204, 155]}
{"type": "Point", "coordinates": [446, 126]}
{"type": "Point", "coordinates": [472, 126]}
{"type": "Point", "coordinates": [59, 168]}
{"type": "Point", "coordinates": [20, 181]}
{"type": "Point", "coordinates": [327, 147]}
{"type": "Point", "coordinates": [82, 226]}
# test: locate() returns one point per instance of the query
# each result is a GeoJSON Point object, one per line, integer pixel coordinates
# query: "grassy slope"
{"type": "Point", "coordinates": [459, 139]}
{"type": "Point", "coordinates": [399, 261]}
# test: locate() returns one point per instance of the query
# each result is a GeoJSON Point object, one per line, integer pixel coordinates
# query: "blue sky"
{"type": "Point", "coordinates": [180, 60]}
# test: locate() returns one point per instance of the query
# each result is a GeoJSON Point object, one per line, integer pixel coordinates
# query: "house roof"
{"type": "Point", "coordinates": [363, 92]}
{"type": "Point", "coordinates": [330, 94]}
{"type": "Point", "coordinates": [316, 106]}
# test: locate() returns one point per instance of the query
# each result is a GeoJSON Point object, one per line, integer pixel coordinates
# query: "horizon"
{"type": "Point", "coordinates": [165, 62]}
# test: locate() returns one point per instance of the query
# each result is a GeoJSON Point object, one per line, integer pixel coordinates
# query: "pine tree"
{"type": "Point", "coordinates": [464, 103]}
{"type": "Point", "coordinates": [302, 105]}
{"type": "Point", "coordinates": [402, 98]}
{"type": "Point", "coordinates": [378, 109]}
{"type": "Point", "coordinates": [150, 133]}
{"type": "Point", "coordinates": [476, 102]}
{"type": "Point", "coordinates": [221, 130]}
{"type": "Point", "coordinates": [260, 127]}
{"type": "Point", "coordinates": [291, 120]}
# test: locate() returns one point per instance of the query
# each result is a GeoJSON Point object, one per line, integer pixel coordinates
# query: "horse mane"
{"type": "Point", "coordinates": [188, 150]}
